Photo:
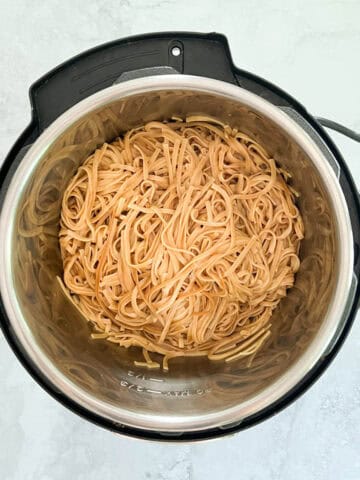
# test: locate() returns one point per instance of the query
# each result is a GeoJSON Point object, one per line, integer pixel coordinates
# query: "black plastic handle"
{"type": "Point", "coordinates": [188, 53]}
{"type": "Point", "coordinates": [206, 55]}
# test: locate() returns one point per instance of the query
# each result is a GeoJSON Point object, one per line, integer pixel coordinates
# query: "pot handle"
{"type": "Point", "coordinates": [198, 54]}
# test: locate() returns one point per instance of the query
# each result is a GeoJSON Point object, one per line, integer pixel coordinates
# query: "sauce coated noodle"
{"type": "Point", "coordinates": [180, 238]}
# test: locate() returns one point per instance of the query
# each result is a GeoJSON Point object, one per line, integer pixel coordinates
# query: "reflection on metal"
{"type": "Point", "coordinates": [105, 372]}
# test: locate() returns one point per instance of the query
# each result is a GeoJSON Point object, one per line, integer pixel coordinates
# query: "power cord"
{"type": "Point", "coordinates": [339, 128]}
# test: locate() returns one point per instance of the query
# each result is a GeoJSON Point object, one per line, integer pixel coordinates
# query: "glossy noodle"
{"type": "Point", "coordinates": [181, 238]}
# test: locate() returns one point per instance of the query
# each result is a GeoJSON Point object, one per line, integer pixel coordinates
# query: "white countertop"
{"type": "Point", "coordinates": [312, 50]}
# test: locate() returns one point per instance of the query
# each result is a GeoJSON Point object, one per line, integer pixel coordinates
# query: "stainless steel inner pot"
{"type": "Point", "coordinates": [195, 395]}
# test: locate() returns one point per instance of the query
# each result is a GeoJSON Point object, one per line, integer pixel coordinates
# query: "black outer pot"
{"type": "Point", "coordinates": [205, 55]}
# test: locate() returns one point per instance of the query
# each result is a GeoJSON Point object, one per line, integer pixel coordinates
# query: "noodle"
{"type": "Point", "coordinates": [180, 238]}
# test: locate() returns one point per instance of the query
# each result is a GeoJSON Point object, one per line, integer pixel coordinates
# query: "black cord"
{"type": "Point", "coordinates": [339, 128]}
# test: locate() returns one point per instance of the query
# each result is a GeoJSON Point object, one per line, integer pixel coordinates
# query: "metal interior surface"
{"type": "Point", "coordinates": [196, 393]}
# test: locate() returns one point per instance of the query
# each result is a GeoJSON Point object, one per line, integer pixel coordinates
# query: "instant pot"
{"type": "Point", "coordinates": [91, 99]}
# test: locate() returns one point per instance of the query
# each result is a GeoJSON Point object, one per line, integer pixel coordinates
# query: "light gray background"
{"type": "Point", "coordinates": [312, 50]}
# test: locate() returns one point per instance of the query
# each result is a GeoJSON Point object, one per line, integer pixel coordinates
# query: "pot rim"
{"type": "Point", "coordinates": [287, 381]}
